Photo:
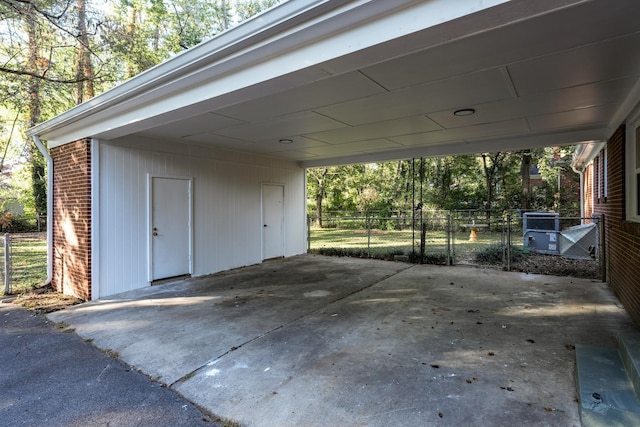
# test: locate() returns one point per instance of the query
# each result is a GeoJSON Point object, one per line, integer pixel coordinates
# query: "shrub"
{"type": "Point", "coordinates": [492, 254]}
{"type": "Point", "coordinates": [434, 258]}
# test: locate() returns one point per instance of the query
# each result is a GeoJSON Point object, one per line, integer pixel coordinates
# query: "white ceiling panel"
{"type": "Point", "coordinates": [597, 116]}
{"type": "Point", "coordinates": [463, 91]}
{"type": "Point", "coordinates": [574, 98]}
{"type": "Point", "coordinates": [509, 127]}
{"type": "Point", "coordinates": [192, 126]}
{"type": "Point", "coordinates": [282, 127]}
{"type": "Point", "coordinates": [608, 60]}
{"type": "Point", "coordinates": [298, 143]}
{"type": "Point", "coordinates": [294, 155]}
{"type": "Point", "coordinates": [220, 141]}
{"type": "Point", "coordinates": [384, 129]}
{"type": "Point", "coordinates": [540, 36]}
{"type": "Point", "coordinates": [354, 147]}
{"type": "Point", "coordinates": [325, 92]}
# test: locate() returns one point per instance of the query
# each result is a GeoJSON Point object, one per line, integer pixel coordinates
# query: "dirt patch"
{"type": "Point", "coordinates": [557, 266]}
{"type": "Point", "coordinates": [45, 300]}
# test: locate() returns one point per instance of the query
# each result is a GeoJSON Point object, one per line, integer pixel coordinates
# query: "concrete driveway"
{"type": "Point", "coordinates": [319, 341]}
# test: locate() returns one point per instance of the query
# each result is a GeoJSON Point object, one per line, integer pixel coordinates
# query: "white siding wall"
{"type": "Point", "coordinates": [226, 201]}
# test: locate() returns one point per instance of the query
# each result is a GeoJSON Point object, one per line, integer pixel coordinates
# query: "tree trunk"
{"type": "Point", "coordinates": [525, 174]}
{"type": "Point", "coordinates": [489, 177]}
{"type": "Point", "coordinates": [131, 34]}
{"type": "Point", "coordinates": [225, 15]}
{"type": "Point", "coordinates": [84, 68]}
{"type": "Point", "coordinates": [38, 178]}
{"type": "Point", "coordinates": [320, 196]}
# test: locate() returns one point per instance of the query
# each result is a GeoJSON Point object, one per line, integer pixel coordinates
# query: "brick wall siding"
{"type": "Point", "coordinates": [72, 218]}
{"type": "Point", "coordinates": [622, 237]}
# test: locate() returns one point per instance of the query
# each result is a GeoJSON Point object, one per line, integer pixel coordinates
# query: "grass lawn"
{"type": "Point", "coordinates": [28, 261]}
{"type": "Point", "coordinates": [382, 242]}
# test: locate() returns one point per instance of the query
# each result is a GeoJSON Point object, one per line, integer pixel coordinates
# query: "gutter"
{"type": "Point", "coordinates": [584, 153]}
{"type": "Point", "coordinates": [582, 156]}
{"type": "Point", "coordinates": [47, 156]}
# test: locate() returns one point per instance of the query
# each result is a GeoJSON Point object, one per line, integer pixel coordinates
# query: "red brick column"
{"type": "Point", "coordinates": [72, 218]}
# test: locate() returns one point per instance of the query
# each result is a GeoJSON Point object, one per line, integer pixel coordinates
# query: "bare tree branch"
{"type": "Point", "coordinates": [13, 4]}
{"type": "Point", "coordinates": [41, 76]}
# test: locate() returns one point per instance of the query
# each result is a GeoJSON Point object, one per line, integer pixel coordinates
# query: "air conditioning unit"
{"type": "Point", "coordinates": [541, 232]}
{"type": "Point", "coordinates": [541, 221]}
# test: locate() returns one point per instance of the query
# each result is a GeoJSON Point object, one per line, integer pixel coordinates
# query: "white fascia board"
{"type": "Point", "coordinates": [299, 37]}
{"type": "Point", "coordinates": [466, 147]}
{"type": "Point", "coordinates": [187, 60]}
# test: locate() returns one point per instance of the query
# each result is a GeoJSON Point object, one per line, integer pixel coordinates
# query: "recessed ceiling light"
{"type": "Point", "coordinates": [286, 141]}
{"type": "Point", "coordinates": [464, 112]}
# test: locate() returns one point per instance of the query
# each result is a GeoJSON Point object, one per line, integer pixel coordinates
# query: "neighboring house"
{"type": "Point", "coordinates": [198, 165]}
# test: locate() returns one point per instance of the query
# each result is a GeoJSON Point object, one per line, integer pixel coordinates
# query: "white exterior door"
{"type": "Point", "coordinates": [272, 221]}
{"type": "Point", "coordinates": [170, 227]}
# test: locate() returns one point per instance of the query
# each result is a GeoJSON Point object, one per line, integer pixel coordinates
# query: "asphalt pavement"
{"type": "Point", "coordinates": [50, 376]}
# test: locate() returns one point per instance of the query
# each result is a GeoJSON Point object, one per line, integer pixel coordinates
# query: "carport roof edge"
{"type": "Point", "coordinates": [273, 32]}
{"type": "Point", "coordinates": [223, 44]}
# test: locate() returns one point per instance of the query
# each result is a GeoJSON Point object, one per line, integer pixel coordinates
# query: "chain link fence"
{"type": "Point", "coordinates": [23, 261]}
{"type": "Point", "coordinates": [507, 240]}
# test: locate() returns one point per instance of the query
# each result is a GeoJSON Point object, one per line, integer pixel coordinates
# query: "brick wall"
{"type": "Point", "coordinates": [72, 218]}
{"type": "Point", "coordinates": [622, 237]}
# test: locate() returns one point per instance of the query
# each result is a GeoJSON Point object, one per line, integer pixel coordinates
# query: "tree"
{"type": "Point", "coordinates": [34, 108]}
{"type": "Point", "coordinates": [244, 9]}
{"type": "Point", "coordinates": [450, 182]}
{"type": "Point", "coordinates": [38, 50]}
{"type": "Point", "coordinates": [525, 177]}
{"type": "Point", "coordinates": [316, 186]}
{"type": "Point", "coordinates": [58, 53]}
{"type": "Point", "coordinates": [84, 66]}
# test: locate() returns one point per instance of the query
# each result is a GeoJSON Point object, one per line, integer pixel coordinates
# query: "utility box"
{"type": "Point", "coordinates": [541, 232]}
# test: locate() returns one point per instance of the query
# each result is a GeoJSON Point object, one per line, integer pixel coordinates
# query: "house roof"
{"type": "Point", "coordinates": [338, 81]}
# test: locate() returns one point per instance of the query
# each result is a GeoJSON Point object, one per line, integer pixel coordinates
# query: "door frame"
{"type": "Point", "coordinates": [149, 227]}
{"type": "Point", "coordinates": [284, 218]}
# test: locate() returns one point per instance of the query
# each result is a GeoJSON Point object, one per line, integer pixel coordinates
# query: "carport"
{"type": "Point", "coordinates": [225, 131]}
{"type": "Point", "coordinates": [318, 341]}
{"type": "Point", "coordinates": [220, 135]}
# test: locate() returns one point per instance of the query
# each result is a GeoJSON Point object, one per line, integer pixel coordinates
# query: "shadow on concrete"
{"type": "Point", "coordinates": [318, 341]}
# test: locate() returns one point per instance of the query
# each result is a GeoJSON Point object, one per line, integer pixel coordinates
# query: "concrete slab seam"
{"type": "Point", "coordinates": [191, 374]}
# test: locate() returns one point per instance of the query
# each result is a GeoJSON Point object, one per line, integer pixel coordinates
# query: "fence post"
{"type": "Point", "coordinates": [7, 274]}
{"type": "Point", "coordinates": [448, 232]}
{"type": "Point", "coordinates": [368, 237]}
{"type": "Point", "coordinates": [508, 242]}
{"type": "Point", "coordinates": [423, 240]}
{"type": "Point", "coordinates": [503, 242]}
{"type": "Point", "coordinates": [308, 233]}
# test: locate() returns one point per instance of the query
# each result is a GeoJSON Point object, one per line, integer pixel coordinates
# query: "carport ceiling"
{"type": "Point", "coordinates": [557, 72]}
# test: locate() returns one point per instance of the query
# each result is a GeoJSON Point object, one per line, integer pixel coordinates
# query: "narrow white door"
{"type": "Point", "coordinates": [170, 227]}
{"type": "Point", "coordinates": [272, 221]}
